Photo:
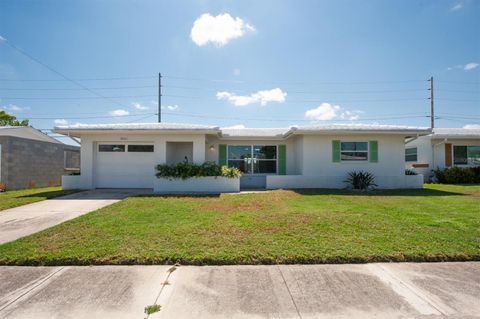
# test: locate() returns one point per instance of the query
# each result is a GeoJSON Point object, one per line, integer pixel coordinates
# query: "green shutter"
{"type": "Point", "coordinates": [222, 154]}
{"type": "Point", "coordinates": [373, 151]}
{"type": "Point", "coordinates": [336, 151]}
{"type": "Point", "coordinates": [282, 159]}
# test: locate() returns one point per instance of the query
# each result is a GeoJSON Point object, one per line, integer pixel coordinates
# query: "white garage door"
{"type": "Point", "coordinates": [121, 165]}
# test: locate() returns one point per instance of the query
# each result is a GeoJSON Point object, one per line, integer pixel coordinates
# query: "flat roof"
{"type": "Point", "coordinates": [466, 133]}
{"type": "Point", "coordinates": [78, 129]}
{"type": "Point", "coordinates": [359, 129]}
{"type": "Point", "coordinates": [275, 133]}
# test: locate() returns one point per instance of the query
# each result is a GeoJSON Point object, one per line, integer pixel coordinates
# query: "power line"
{"type": "Point", "coordinates": [289, 82]}
{"type": "Point", "coordinates": [86, 117]}
{"type": "Point", "coordinates": [57, 72]}
{"type": "Point", "coordinates": [76, 98]}
{"type": "Point", "coordinates": [80, 79]}
{"type": "Point", "coordinates": [73, 89]}
{"type": "Point", "coordinates": [288, 119]}
{"type": "Point", "coordinates": [458, 82]}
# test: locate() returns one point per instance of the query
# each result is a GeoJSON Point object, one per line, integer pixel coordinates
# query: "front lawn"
{"type": "Point", "coordinates": [440, 222]}
{"type": "Point", "coordinates": [14, 198]}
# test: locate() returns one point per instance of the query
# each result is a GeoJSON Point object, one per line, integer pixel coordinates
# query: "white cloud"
{"type": "Point", "coordinates": [2, 38]}
{"type": "Point", "coordinates": [139, 106]}
{"type": "Point", "coordinates": [472, 126]}
{"type": "Point", "coordinates": [235, 127]}
{"type": "Point", "coordinates": [119, 112]}
{"type": "Point", "coordinates": [467, 67]}
{"type": "Point", "coordinates": [60, 122]}
{"type": "Point", "coordinates": [236, 72]}
{"type": "Point", "coordinates": [170, 107]}
{"type": "Point", "coordinates": [326, 112]}
{"type": "Point", "coordinates": [262, 97]}
{"type": "Point", "coordinates": [457, 7]}
{"type": "Point", "coordinates": [14, 108]}
{"type": "Point", "coordinates": [470, 66]}
{"type": "Point", "coordinates": [218, 30]}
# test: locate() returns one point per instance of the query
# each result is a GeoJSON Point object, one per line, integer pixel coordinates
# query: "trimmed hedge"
{"type": "Point", "coordinates": [458, 175]}
{"type": "Point", "coordinates": [189, 170]}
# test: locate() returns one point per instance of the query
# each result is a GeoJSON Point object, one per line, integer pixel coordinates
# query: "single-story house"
{"type": "Point", "coordinates": [30, 158]}
{"type": "Point", "coordinates": [445, 147]}
{"type": "Point", "coordinates": [124, 155]}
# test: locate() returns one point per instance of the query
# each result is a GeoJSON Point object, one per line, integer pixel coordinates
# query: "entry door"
{"type": "Point", "coordinates": [121, 165]}
{"type": "Point", "coordinates": [253, 159]}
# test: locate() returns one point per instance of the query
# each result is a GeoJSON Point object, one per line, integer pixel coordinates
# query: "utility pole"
{"type": "Point", "coordinates": [432, 112]}
{"type": "Point", "coordinates": [159, 97]}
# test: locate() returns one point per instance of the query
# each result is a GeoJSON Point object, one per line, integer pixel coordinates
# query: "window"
{"type": "Point", "coordinates": [466, 155]}
{"type": "Point", "coordinates": [140, 148]}
{"type": "Point", "coordinates": [111, 148]}
{"type": "Point", "coordinates": [411, 154]}
{"type": "Point", "coordinates": [240, 156]}
{"type": "Point", "coordinates": [71, 160]}
{"type": "Point", "coordinates": [256, 159]}
{"type": "Point", "coordinates": [354, 151]}
{"type": "Point", "coordinates": [264, 159]}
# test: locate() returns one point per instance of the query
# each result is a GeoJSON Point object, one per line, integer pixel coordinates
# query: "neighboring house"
{"type": "Point", "coordinates": [124, 155]}
{"type": "Point", "coordinates": [30, 158]}
{"type": "Point", "coordinates": [445, 147]}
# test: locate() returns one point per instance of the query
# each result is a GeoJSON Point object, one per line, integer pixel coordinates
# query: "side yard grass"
{"type": "Point", "coordinates": [14, 198]}
{"type": "Point", "coordinates": [438, 223]}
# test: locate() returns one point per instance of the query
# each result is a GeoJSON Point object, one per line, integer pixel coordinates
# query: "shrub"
{"type": "Point", "coordinates": [457, 175]}
{"type": "Point", "coordinates": [3, 187]}
{"type": "Point", "coordinates": [188, 170]}
{"type": "Point", "coordinates": [410, 171]}
{"type": "Point", "coordinates": [360, 180]}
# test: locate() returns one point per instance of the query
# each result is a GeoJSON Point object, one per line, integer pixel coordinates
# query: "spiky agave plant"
{"type": "Point", "coordinates": [360, 180]}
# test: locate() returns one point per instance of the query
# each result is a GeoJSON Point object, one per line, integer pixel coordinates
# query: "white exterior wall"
{"type": "Point", "coordinates": [439, 150]}
{"type": "Point", "coordinates": [424, 156]}
{"type": "Point", "coordinates": [309, 158]}
{"type": "Point", "coordinates": [389, 171]}
{"type": "Point", "coordinates": [90, 144]}
{"type": "Point", "coordinates": [209, 184]}
{"type": "Point", "coordinates": [431, 151]}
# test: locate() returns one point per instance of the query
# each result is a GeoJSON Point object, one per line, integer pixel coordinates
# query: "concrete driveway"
{"type": "Point", "coordinates": [406, 290]}
{"type": "Point", "coordinates": [28, 219]}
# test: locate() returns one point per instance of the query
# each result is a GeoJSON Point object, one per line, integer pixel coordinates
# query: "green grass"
{"type": "Point", "coordinates": [440, 222]}
{"type": "Point", "coordinates": [14, 198]}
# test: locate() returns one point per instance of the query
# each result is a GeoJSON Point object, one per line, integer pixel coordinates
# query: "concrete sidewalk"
{"type": "Point", "coordinates": [405, 290]}
{"type": "Point", "coordinates": [28, 219]}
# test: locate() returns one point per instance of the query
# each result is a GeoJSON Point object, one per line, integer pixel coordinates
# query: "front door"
{"type": "Point", "coordinates": [255, 162]}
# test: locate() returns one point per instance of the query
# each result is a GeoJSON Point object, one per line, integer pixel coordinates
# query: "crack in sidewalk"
{"type": "Point", "coordinates": [290, 293]}
{"type": "Point", "coordinates": [31, 288]}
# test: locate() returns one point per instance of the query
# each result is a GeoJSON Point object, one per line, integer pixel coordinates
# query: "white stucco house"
{"type": "Point", "coordinates": [124, 155]}
{"type": "Point", "coordinates": [445, 147]}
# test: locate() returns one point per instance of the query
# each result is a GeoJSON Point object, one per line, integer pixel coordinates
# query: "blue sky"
{"type": "Point", "coordinates": [251, 63]}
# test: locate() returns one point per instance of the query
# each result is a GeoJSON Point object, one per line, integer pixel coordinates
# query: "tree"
{"type": "Point", "coordinates": [10, 120]}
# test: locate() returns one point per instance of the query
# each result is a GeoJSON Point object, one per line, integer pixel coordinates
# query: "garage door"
{"type": "Point", "coordinates": [121, 165]}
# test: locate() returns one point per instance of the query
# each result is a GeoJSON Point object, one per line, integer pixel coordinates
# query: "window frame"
{"type": "Point", "coordinates": [152, 145]}
{"type": "Point", "coordinates": [367, 151]}
{"type": "Point", "coordinates": [253, 159]}
{"type": "Point", "coordinates": [453, 155]}
{"type": "Point", "coordinates": [112, 144]}
{"type": "Point", "coordinates": [65, 166]}
{"type": "Point", "coordinates": [416, 154]}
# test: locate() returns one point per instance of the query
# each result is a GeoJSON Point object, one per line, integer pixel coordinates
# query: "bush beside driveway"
{"type": "Point", "coordinates": [437, 223]}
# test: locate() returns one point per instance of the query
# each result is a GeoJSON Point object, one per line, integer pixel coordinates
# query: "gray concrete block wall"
{"type": "Point", "coordinates": [30, 163]}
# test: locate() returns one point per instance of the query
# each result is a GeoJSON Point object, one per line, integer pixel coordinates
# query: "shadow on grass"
{"type": "Point", "coordinates": [49, 195]}
{"type": "Point", "coordinates": [214, 195]}
{"type": "Point", "coordinates": [383, 192]}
